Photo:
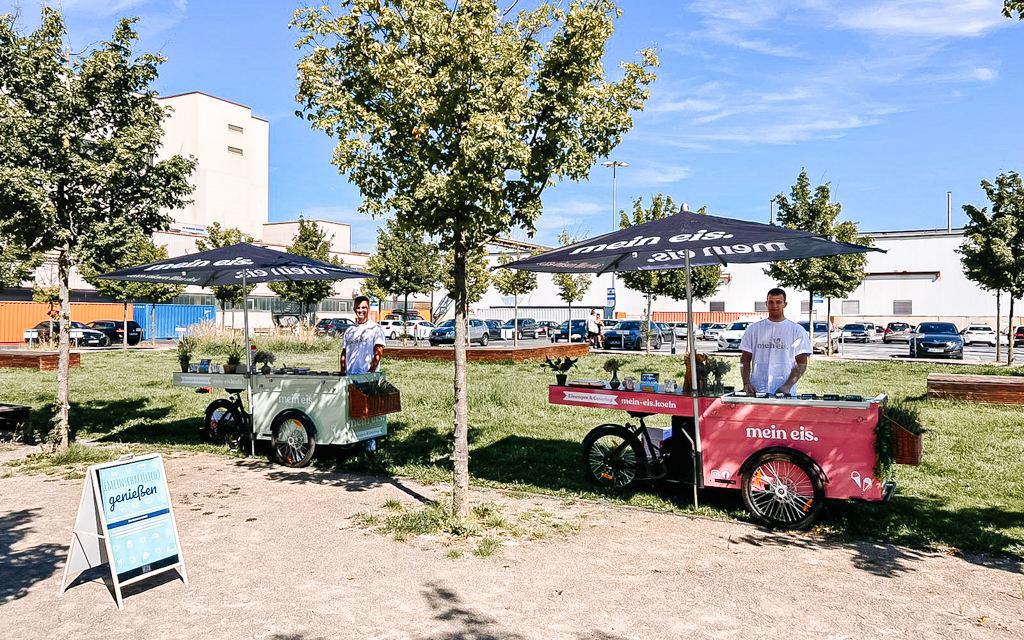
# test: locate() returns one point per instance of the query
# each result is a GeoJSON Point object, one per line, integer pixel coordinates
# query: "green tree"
{"type": "Point", "coordinates": [830, 276]}
{"type": "Point", "coordinates": [217, 237]}
{"type": "Point", "coordinates": [17, 263]}
{"type": "Point", "coordinates": [79, 137]}
{"type": "Point", "coordinates": [476, 276]}
{"type": "Point", "coordinates": [457, 116]}
{"type": "Point", "coordinates": [993, 247]}
{"type": "Point", "coordinates": [310, 242]}
{"type": "Point", "coordinates": [666, 282]}
{"type": "Point", "coordinates": [113, 251]}
{"type": "Point", "coordinates": [571, 288]}
{"type": "Point", "coordinates": [515, 283]}
{"type": "Point", "coordinates": [405, 263]}
{"type": "Point", "coordinates": [1010, 6]}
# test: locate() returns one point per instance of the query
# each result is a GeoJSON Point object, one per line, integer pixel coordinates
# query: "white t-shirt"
{"type": "Point", "coordinates": [774, 346]}
{"type": "Point", "coordinates": [358, 342]}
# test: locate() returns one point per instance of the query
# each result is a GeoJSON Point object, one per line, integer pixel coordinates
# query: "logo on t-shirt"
{"type": "Point", "coordinates": [776, 343]}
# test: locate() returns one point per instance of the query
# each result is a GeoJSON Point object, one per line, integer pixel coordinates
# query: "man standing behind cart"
{"type": "Point", "coordinates": [362, 345]}
{"type": "Point", "coordinates": [777, 348]}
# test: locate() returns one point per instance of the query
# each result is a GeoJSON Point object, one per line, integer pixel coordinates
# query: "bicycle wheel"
{"type": "Point", "coordinates": [221, 424]}
{"type": "Point", "coordinates": [293, 439]}
{"type": "Point", "coordinates": [781, 491]}
{"type": "Point", "coordinates": [613, 457]}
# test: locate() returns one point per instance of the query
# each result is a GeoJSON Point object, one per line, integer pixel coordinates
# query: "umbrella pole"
{"type": "Point", "coordinates": [248, 364]}
{"type": "Point", "coordinates": [698, 458]}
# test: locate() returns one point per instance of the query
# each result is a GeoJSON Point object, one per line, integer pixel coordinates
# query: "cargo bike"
{"type": "Point", "coordinates": [786, 455]}
{"type": "Point", "coordinates": [295, 411]}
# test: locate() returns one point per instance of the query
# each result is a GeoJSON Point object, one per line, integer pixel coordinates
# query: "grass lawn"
{"type": "Point", "coordinates": [965, 496]}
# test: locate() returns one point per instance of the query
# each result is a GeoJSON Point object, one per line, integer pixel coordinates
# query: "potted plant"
{"type": "Point", "coordinates": [374, 398]}
{"type": "Point", "coordinates": [612, 366]}
{"type": "Point", "coordinates": [897, 437]}
{"type": "Point", "coordinates": [186, 347]}
{"type": "Point", "coordinates": [235, 353]}
{"type": "Point", "coordinates": [560, 366]}
{"type": "Point", "coordinates": [266, 358]}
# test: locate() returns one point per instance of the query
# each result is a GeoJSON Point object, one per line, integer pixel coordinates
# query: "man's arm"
{"type": "Point", "coordinates": [378, 353]}
{"type": "Point", "coordinates": [343, 369]}
{"type": "Point", "coordinates": [798, 370]}
{"type": "Point", "coordinates": [745, 359]}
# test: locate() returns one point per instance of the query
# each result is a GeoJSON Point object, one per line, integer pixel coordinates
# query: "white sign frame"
{"type": "Point", "coordinates": [91, 539]}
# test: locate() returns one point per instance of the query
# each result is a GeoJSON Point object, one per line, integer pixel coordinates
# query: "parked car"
{"type": "Point", "coordinates": [579, 331]}
{"type": "Point", "coordinates": [729, 339]}
{"type": "Point", "coordinates": [681, 329]}
{"type": "Point", "coordinates": [703, 329]}
{"type": "Point", "coordinates": [400, 314]}
{"type": "Point", "coordinates": [526, 327]}
{"type": "Point", "coordinates": [333, 326]}
{"type": "Point", "coordinates": [445, 334]}
{"type": "Point", "coordinates": [420, 329]}
{"type": "Point", "coordinates": [494, 328]}
{"type": "Point", "coordinates": [711, 333]}
{"type": "Point", "coordinates": [822, 336]}
{"type": "Point", "coordinates": [936, 339]}
{"type": "Point", "coordinates": [114, 330]}
{"type": "Point", "coordinates": [80, 334]}
{"type": "Point", "coordinates": [1018, 336]}
{"type": "Point", "coordinates": [547, 328]}
{"type": "Point", "coordinates": [859, 332]}
{"type": "Point", "coordinates": [630, 334]}
{"type": "Point", "coordinates": [665, 329]}
{"type": "Point", "coordinates": [395, 328]}
{"type": "Point", "coordinates": [897, 331]}
{"type": "Point", "coordinates": [979, 333]}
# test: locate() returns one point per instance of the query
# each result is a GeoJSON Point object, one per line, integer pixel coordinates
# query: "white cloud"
{"type": "Point", "coordinates": [930, 18]}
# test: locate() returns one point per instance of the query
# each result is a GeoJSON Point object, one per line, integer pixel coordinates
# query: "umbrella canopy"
{"type": "Point", "coordinates": [663, 244]}
{"type": "Point", "coordinates": [235, 264]}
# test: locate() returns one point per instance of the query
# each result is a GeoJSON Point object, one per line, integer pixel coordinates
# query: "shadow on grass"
{"type": "Point", "coordinates": [20, 569]}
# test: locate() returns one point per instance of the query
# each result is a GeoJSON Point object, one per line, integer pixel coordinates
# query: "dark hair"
{"type": "Point", "coordinates": [776, 292]}
{"type": "Point", "coordinates": [360, 300]}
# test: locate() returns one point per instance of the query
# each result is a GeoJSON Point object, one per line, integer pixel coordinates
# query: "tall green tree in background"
{"type": "Point", "coordinates": [666, 282]}
{"type": "Point", "coordinates": [993, 247]}
{"type": "Point", "coordinates": [1011, 6]}
{"type": "Point", "coordinates": [571, 287]}
{"type": "Point", "coordinates": [120, 250]}
{"type": "Point", "coordinates": [310, 242]}
{"type": "Point", "coordinates": [830, 276]}
{"type": "Point", "coordinates": [217, 237]}
{"type": "Point", "coordinates": [457, 116]}
{"type": "Point", "coordinates": [476, 276]}
{"type": "Point", "coordinates": [17, 263]}
{"type": "Point", "coordinates": [78, 138]}
{"type": "Point", "coordinates": [515, 283]}
{"type": "Point", "coordinates": [405, 263]}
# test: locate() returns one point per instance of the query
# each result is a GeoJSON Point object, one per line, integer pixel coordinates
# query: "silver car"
{"type": "Point", "coordinates": [445, 334]}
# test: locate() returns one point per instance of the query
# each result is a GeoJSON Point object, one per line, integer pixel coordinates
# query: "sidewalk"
{"type": "Point", "coordinates": [273, 552]}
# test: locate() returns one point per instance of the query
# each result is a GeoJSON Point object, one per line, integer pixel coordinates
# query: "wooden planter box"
{"type": "Point", "coordinates": [976, 388]}
{"type": "Point", "coordinates": [361, 405]}
{"type": "Point", "coordinates": [908, 447]}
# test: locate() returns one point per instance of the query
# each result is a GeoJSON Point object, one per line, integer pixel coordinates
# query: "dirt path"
{"type": "Point", "coordinates": [276, 553]}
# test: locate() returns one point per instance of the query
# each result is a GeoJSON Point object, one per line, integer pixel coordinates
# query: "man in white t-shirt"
{"type": "Point", "coordinates": [774, 351]}
{"type": "Point", "coordinates": [362, 345]}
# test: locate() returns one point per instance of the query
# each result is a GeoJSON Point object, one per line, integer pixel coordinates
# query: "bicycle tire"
{"type": "Point", "coordinates": [613, 457]}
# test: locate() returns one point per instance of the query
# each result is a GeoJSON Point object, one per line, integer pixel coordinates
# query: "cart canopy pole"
{"type": "Point", "coordinates": [693, 376]}
{"type": "Point", "coordinates": [248, 363]}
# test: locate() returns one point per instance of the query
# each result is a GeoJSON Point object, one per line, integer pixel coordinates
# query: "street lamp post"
{"type": "Point", "coordinates": [614, 165]}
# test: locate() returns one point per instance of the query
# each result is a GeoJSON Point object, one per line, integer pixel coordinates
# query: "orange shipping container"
{"type": "Point", "coordinates": [700, 317]}
{"type": "Point", "coordinates": [15, 317]}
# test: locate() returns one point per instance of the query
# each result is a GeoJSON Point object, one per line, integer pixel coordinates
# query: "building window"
{"type": "Point", "coordinates": [761, 306]}
{"type": "Point", "coordinates": [851, 307]}
{"type": "Point", "coordinates": [235, 128]}
{"type": "Point", "coordinates": [903, 307]}
{"type": "Point", "coordinates": [717, 306]}
{"type": "Point", "coordinates": [805, 306]}
{"type": "Point", "coordinates": [234, 150]}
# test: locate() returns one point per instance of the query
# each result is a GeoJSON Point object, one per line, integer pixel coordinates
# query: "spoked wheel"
{"type": "Point", "coordinates": [613, 456]}
{"type": "Point", "coordinates": [483, 340]}
{"type": "Point", "coordinates": [293, 439]}
{"type": "Point", "coordinates": [782, 491]}
{"type": "Point", "coordinates": [221, 426]}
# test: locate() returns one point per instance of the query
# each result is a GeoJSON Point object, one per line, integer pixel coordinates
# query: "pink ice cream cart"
{"type": "Point", "coordinates": [786, 455]}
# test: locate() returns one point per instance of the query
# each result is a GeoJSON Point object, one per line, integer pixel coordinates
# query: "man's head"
{"type": "Point", "coordinates": [776, 304]}
{"type": "Point", "coordinates": [362, 307]}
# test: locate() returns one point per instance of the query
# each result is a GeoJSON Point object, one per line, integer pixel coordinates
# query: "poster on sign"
{"type": "Point", "coordinates": [125, 521]}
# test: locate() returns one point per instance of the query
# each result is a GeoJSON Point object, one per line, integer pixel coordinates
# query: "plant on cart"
{"type": "Point", "coordinates": [710, 373]}
{"type": "Point", "coordinates": [186, 347]}
{"type": "Point", "coordinates": [374, 398]}
{"type": "Point", "coordinates": [235, 353]}
{"type": "Point", "coordinates": [560, 366]}
{"type": "Point", "coordinates": [612, 366]}
{"type": "Point", "coordinates": [266, 358]}
{"type": "Point", "coordinates": [897, 437]}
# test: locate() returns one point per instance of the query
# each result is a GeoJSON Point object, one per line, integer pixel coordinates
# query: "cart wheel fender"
{"type": "Point", "coordinates": [811, 462]}
{"type": "Point", "coordinates": [298, 414]}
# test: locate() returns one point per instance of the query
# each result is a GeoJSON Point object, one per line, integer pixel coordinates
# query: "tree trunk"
{"type": "Point", "coordinates": [124, 334]}
{"type": "Point", "coordinates": [152, 323]}
{"type": "Point", "coordinates": [460, 455]}
{"type": "Point", "coordinates": [568, 332]}
{"type": "Point", "coordinates": [828, 327]}
{"type": "Point", "coordinates": [810, 317]}
{"type": "Point", "coordinates": [405, 322]}
{"type": "Point", "coordinates": [647, 349]}
{"type": "Point", "coordinates": [63, 440]}
{"type": "Point", "coordinates": [998, 311]}
{"type": "Point", "coordinates": [515, 324]}
{"type": "Point", "coordinates": [1009, 334]}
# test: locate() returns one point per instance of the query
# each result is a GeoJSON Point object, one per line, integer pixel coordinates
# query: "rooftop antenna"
{"type": "Point", "coordinates": [949, 212]}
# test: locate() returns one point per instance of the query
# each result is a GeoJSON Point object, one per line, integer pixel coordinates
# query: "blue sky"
{"type": "Point", "coordinates": [893, 102]}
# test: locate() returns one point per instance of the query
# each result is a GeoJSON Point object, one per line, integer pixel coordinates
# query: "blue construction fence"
{"type": "Point", "coordinates": [170, 317]}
